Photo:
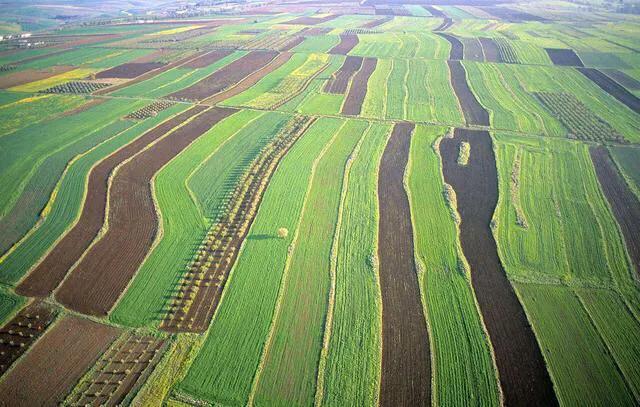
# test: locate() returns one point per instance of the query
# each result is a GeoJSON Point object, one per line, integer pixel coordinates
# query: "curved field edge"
{"type": "Point", "coordinates": [185, 214]}
{"type": "Point", "coordinates": [249, 298]}
{"type": "Point", "coordinates": [461, 353]}
{"type": "Point", "coordinates": [63, 208]}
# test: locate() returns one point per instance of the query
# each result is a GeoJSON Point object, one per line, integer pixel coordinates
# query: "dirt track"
{"type": "Point", "coordinates": [473, 111]}
{"type": "Point", "coordinates": [612, 87]}
{"type": "Point", "coordinates": [353, 102]}
{"type": "Point", "coordinates": [523, 374]}
{"type": "Point", "coordinates": [340, 81]}
{"type": "Point", "coordinates": [406, 364]}
{"type": "Point", "coordinates": [457, 49]}
{"type": "Point", "coordinates": [49, 273]}
{"type": "Point", "coordinates": [226, 76]}
{"type": "Point", "coordinates": [96, 283]}
{"type": "Point", "coordinates": [563, 57]}
{"type": "Point", "coordinates": [624, 203]}
{"type": "Point", "coordinates": [55, 363]}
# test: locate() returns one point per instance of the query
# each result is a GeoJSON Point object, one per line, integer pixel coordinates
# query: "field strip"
{"type": "Point", "coordinates": [521, 367]}
{"type": "Point", "coordinates": [406, 367]}
{"type": "Point", "coordinates": [612, 87]}
{"type": "Point", "coordinates": [56, 362]}
{"type": "Point", "coordinates": [53, 267]}
{"type": "Point", "coordinates": [132, 223]}
{"type": "Point", "coordinates": [328, 325]}
{"type": "Point", "coordinates": [284, 280]}
{"type": "Point", "coordinates": [64, 211]}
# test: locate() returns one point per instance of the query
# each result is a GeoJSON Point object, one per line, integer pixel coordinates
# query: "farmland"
{"type": "Point", "coordinates": [375, 203]}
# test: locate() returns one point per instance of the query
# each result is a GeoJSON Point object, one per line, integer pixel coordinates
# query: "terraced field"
{"type": "Point", "coordinates": [301, 203]}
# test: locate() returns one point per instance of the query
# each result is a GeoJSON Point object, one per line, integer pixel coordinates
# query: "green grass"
{"type": "Point", "coordinates": [509, 105]}
{"type": "Point", "coordinates": [190, 192]}
{"type": "Point", "coordinates": [580, 365]}
{"type": "Point", "coordinates": [402, 45]}
{"type": "Point", "coordinates": [291, 358]}
{"type": "Point", "coordinates": [65, 205]}
{"type": "Point", "coordinates": [463, 369]}
{"type": "Point", "coordinates": [317, 43]}
{"type": "Point", "coordinates": [352, 372]}
{"type": "Point", "coordinates": [9, 304]}
{"type": "Point", "coordinates": [568, 258]}
{"type": "Point", "coordinates": [175, 79]}
{"type": "Point", "coordinates": [628, 161]}
{"type": "Point", "coordinates": [224, 369]}
{"type": "Point", "coordinates": [30, 110]}
{"type": "Point", "coordinates": [416, 90]}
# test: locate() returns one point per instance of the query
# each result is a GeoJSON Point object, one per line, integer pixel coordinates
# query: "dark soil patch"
{"type": "Point", "coordinates": [358, 90]}
{"type": "Point", "coordinates": [311, 31]}
{"type": "Point", "coordinates": [133, 223]}
{"type": "Point", "coordinates": [32, 75]}
{"type": "Point", "coordinates": [225, 76]}
{"type": "Point", "coordinates": [18, 334]}
{"type": "Point", "coordinates": [457, 49]}
{"type": "Point", "coordinates": [472, 50]}
{"type": "Point", "coordinates": [511, 15]}
{"type": "Point", "coordinates": [613, 88]}
{"type": "Point", "coordinates": [376, 23]}
{"type": "Point", "coordinates": [623, 202]}
{"type": "Point", "coordinates": [563, 57]}
{"type": "Point", "coordinates": [523, 375]}
{"type": "Point", "coordinates": [207, 59]}
{"type": "Point", "coordinates": [129, 70]}
{"type": "Point", "coordinates": [446, 23]}
{"type": "Point", "coordinates": [251, 79]}
{"type": "Point", "coordinates": [435, 12]}
{"type": "Point", "coordinates": [473, 111]}
{"type": "Point", "coordinates": [311, 20]}
{"type": "Point", "coordinates": [406, 362]}
{"type": "Point", "coordinates": [292, 43]}
{"type": "Point", "coordinates": [347, 43]}
{"type": "Point", "coordinates": [491, 50]}
{"type": "Point", "coordinates": [340, 81]}
{"type": "Point", "coordinates": [56, 362]}
{"type": "Point", "coordinates": [124, 367]}
{"type": "Point", "coordinates": [149, 74]}
{"type": "Point", "coordinates": [623, 79]}
{"type": "Point", "coordinates": [46, 276]}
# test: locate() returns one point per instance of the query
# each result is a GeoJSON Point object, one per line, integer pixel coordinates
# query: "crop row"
{"type": "Point", "coordinates": [581, 122]}
{"type": "Point", "coordinates": [506, 51]}
{"type": "Point", "coordinates": [150, 110]}
{"type": "Point", "coordinates": [78, 87]}
{"type": "Point", "coordinates": [200, 288]}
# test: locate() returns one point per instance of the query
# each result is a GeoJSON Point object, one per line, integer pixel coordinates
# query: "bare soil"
{"type": "Point", "coordinates": [353, 103]}
{"type": "Point", "coordinates": [376, 23]}
{"type": "Point", "coordinates": [18, 334]}
{"type": "Point", "coordinates": [457, 49]}
{"type": "Point", "coordinates": [523, 375]}
{"type": "Point", "coordinates": [47, 275]}
{"type": "Point", "coordinates": [406, 362]}
{"type": "Point", "coordinates": [491, 50]}
{"type": "Point", "coordinates": [473, 50]}
{"type": "Point", "coordinates": [149, 74]}
{"type": "Point", "coordinates": [347, 43]}
{"type": "Point", "coordinates": [132, 222]}
{"type": "Point", "coordinates": [32, 75]}
{"type": "Point", "coordinates": [311, 20]}
{"type": "Point", "coordinates": [613, 88]}
{"type": "Point", "coordinates": [226, 76]}
{"type": "Point", "coordinates": [250, 79]}
{"type": "Point", "coordinates": [624, 203]}
{"type": "Point", "coordinates": [124, 367]}
{"type": "Point", "coordinates": [129, 70]}
{"type": "Point", "coordinates": [207, 59]}
{"type": "Point", "coordinates": [473, 111]}
{"type": "Point", "coordinates": [563, 57]}
{"type": "Point", "coordinates": [623, 79]}
{"type": "Point", "coordinates": [56, 362]}
{"type": "Point", "coordinates": [340, 81]}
